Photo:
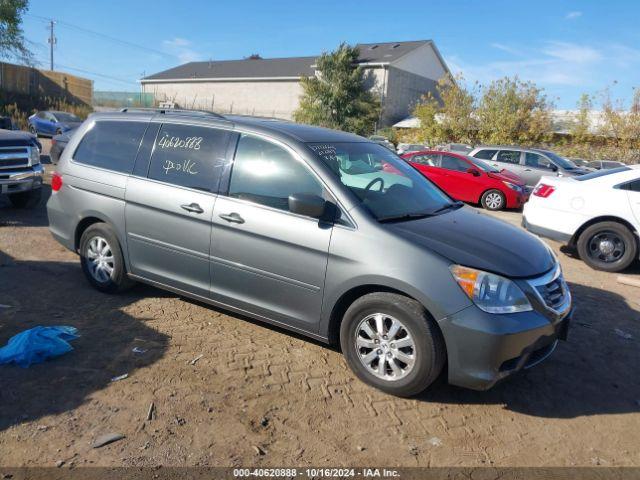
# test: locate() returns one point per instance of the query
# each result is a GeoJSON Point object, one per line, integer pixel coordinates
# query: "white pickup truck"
{"type": "Point", "coordinates": [20, 169]}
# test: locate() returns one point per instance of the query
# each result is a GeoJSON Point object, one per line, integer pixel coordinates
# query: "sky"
{"type": "Point", "coordinates": [567, 47]}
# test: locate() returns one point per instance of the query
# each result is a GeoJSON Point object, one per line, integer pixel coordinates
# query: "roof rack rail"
{"type": "Point", "coordinates": [177, 111]}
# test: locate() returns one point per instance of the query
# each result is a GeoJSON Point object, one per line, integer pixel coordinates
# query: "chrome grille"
{"type": "Point", "coordinates": [552, 290]}
{"type": "Point", "coordinates": [14, 157]}
{"type": "Point", "coordinates": [552, 293]}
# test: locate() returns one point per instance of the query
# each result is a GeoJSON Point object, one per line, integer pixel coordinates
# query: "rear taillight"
{"type": "Point", "coordinates": [543, 190]}
{"type": "Point", "coordinates": [56, 181]}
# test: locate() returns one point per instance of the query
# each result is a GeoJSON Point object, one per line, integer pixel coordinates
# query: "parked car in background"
{"type": "Point", "coordinates": [598, 214]}
{"type": "Point", "coordinates": [469, 180]}
{"type": "Point", "coordinates": [383, 141]}
{"type": "Point", "coordinates": [582, 163]}
{"type": "Point", "coordinates": [272, 220]}
{"type": "Point", "coordinates": [6, 123]}
{"type": "Point", "coordinates": [58, 143]}
{"type": "Point", "coordinates": [20, 169]}
{"type": "Point", "coordinates": [528, 163]}
{"type": "Point", "coordinates": [409, 147]}
{"type": "Point", "coordinates": [605, 164]}
{"type": "Point", "coordinates": [455, 147]}
{"type": "Point", "coordinates": [52, 123]}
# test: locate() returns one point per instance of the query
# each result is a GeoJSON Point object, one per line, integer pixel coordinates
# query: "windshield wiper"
{"type": "Point", "coordinates": [448, 206]}
{"type": "Point", "coordinates": [403, 217]}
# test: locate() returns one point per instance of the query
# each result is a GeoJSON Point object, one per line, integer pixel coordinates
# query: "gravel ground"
{"type": "Point", "coordinates": [229, 391]}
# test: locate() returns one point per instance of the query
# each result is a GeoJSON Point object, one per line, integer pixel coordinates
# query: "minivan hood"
{"type": "Point", "coordinates": [476, 240]}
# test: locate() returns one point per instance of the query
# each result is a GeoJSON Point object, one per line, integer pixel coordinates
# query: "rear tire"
{"type": "Point", "coordinates": [608, 246]}
{"type": "Point", "coordinates": [102, 260]}
{"type": "Point", "coordinates": [28, 199]}
{"type": "Point", "coordinates": [403, 362]}
{"type": "Point", "coordinates": [493, 200]}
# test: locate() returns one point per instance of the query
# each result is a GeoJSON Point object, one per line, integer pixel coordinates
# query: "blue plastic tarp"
{"type": "Point", "coordinates": [37, 344]}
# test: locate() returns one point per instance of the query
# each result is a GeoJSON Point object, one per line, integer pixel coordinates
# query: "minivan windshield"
{"type": "Point", "coordinates": [482, 165]}
{"type": "Point", "coordinates": [387, 186]}
{"type": "Point", "coordinates": [559, 161]}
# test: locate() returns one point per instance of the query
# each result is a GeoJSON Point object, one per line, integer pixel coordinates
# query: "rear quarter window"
{"type": "Point", "coordinates": [112, 145]}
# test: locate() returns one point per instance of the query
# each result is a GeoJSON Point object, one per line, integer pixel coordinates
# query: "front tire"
{"type": "Point", "coordinates": [28, 199]}
{"type": "Point", "coordinates": [392, 343]}
{"type": "Point", "coordinates": [608, 246]}
{"type": "Point", "coordinates": [101, 259]}
{"type": "Point", "coordinates": [493, 200]}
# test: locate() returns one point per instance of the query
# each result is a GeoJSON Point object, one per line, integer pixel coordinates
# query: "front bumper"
{"type": "Point", "coordinates": [21, 180]}
{"type": "Point", "coordinates": [484, 348]}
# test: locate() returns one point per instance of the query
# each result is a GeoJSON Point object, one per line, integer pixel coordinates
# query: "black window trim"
{"type": "Point", "coordinates": [90, 127]}
{"type": "Point", "coordinates": [620, 186]}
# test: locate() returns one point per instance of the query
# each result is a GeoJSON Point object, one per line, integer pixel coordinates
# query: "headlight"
{"type": "Point", "coordinates": [35, 156]}
{"type": "Point", "coordinates": [512, 186]}
{"type": "Point", "coordinates": [491, 293]}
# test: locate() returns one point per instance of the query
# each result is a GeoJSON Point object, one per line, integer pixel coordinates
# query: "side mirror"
{"type": "Point", "coordinates": [307, 204]}
{"type": "Point", "coordinates": [554, 168]}
{"type": "Point", "coordinates": [474, 172]}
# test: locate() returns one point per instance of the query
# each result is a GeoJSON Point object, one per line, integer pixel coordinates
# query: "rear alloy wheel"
{"type": "Point", "coordinates": [101, 259]}
{"type": "Point", "coordinates": [493, 200]}
{"type": "Point", "coordinates": [608, 246]}
{"type": "Point", "coordinates": [392, 343]}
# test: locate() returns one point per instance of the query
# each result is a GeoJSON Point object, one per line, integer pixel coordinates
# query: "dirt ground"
{"type": "Point", "coordinates": [229, 391]}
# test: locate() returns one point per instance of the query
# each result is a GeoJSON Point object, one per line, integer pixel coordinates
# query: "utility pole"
{"type": "Point", "coordinates": [52, 41]}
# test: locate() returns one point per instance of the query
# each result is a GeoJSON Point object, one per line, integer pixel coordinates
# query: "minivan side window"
{"type": "Point", "coordinates": [267, 174]}
{"type": "Point", "coordinates": [485, 154]}
{"type": "Point", "coordinates": [537, 161]}
{"type": "Point", "coordinates": [508, 156]}
{"type": "Point", "coordinates": [189, 156]}
{"type": "Point", "coordinates": [112, 145]}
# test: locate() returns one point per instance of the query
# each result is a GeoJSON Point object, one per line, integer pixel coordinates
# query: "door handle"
{"type": "Point", "coordinates": [232, 217]}
{"type": "Point", "coordinates": [193, 208]}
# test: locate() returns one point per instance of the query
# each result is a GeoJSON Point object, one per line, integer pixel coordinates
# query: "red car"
{"type": "Point", "coordinates": [469, 179]}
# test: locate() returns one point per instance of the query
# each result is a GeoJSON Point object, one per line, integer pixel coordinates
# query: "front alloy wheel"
{"type": "Point", "coordinates": [392, 343]}
{"type": "Point", "coordinates": [385, 347]}
{"type": "Point", "coordinates": [493, 200]}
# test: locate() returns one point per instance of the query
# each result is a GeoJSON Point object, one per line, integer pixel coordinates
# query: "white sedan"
{"type": "Point", "coordinates": [598, 214]}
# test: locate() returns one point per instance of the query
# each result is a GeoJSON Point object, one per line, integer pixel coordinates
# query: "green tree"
{"type": "Point", "coordinates": [337, 97]}
{"type": "Point", "coordinates": [513, 111]}
{"type": "Point", "coordinates": [12, 41]}
{"type": "Point", "coordinates": [448, 115]}
{"type": "Point", "coordinates": [581, 127]}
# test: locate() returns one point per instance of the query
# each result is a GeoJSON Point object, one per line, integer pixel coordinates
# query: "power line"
{"type": "Point", "coordinates": [103, 36]}
{"type": "Point", "coordinates": [95, 74]}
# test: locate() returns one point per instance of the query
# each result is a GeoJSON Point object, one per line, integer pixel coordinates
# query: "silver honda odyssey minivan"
{"type": "Point", "coordinates": [322, 232]}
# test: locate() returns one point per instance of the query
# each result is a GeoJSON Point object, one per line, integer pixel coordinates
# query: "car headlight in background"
{"type": "Point", "coordinates": [35, 155]}
{"type": "Point", "coordinates": [512, 186]}
{"type": "Point", "coordinates": [490, 292]}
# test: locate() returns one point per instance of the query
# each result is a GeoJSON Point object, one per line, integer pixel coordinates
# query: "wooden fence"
{"type": "Point", "coordinates": [44, 83]}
